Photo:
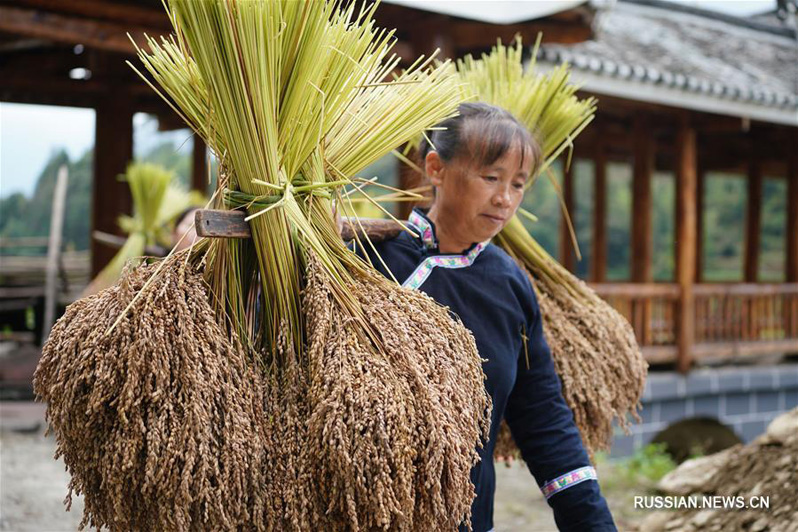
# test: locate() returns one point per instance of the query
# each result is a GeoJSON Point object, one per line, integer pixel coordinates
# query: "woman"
{"type": "Point", "coordinates": [478, 166]}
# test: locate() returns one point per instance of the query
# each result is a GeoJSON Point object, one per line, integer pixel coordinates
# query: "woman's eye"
{"type": "Point", "coordinates": [490, 178]}
{"type": "Point", "coordinates": [518, 186]}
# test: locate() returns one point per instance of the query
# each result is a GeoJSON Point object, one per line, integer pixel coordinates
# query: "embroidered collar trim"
{"type": "Point", "coordinates": [424, 227]}
{"type": "Point", "coordinates": [423, 270]}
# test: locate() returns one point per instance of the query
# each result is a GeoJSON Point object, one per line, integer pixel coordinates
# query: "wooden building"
{"type": "Point", "coordinates": [73, 53]}
{"type": "Point", "coordinates": [674, 94]}
{"type": "Point", "coordinates": [691, 92]}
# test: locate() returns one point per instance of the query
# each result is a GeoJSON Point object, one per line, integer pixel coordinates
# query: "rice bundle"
{"type": "Point", "coordinates": [157, 201]}
{"type": "Point", "coordinates": [413, 406]}
{"type": "Point", "coordinates": [757, 481]}
{"type": "Point", "coordinates": [364, 402]}
{"type": "Point", "coordinates": [594, 349]}
{"type": "Point", "coordinates": [157, 423]}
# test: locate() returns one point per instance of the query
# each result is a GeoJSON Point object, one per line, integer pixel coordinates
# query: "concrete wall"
{"type": "Point", "coordinates": [744, 399]}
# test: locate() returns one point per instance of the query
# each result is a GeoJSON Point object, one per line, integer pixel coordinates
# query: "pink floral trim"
{"type": "Point", "coordinates": [572, 478]}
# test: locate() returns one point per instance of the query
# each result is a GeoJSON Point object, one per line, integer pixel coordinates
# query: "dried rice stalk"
{"type": "Point", "coordinates": [361, 413]}
{"type": "Point", "coordinates": [766, 467]}
{"type": "Point", "coordinates": [594, 348]}
{"type": "Point", "coordinates": [157, 423]}
{"type": "Point", "coordinates": [393, 432]}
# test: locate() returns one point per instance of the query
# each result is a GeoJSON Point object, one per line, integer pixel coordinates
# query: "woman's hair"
{"type": "Point", "coordinates": [483, 133]}
{"type": "Point", "coordinates": [185, 212]}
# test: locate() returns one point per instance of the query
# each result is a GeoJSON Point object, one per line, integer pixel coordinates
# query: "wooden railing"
{"type": "Point", "coordinates": [731, 320]}
{"type": "Point", "coordinates": [651, 309]}
{"type": "Point", "coordinates": [746, 319]}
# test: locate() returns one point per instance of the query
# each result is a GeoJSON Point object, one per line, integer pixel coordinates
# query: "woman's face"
{"type": "Point", "coordinates": [477, 201]}
{"type": "Point", "coordinates": [186, 231]}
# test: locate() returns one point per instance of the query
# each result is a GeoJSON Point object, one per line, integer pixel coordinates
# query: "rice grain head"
{"type": "Point", "coordinates": [156, 422]}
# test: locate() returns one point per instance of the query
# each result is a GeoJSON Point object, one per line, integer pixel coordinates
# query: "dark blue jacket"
{"type": "Point", "coordinates": [495, 300]}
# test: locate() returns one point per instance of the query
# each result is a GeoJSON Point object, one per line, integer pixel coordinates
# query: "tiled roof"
{"type": "Point", "coordinates": [689, 50]}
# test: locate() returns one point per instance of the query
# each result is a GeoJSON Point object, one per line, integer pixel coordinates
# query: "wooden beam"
{"type": "Point", "coordinates": [686, 243]}
{"type": "Point", "coordinates": [46, 89]}
{"type": "Point", "coordinates": [792, 214]}
{"type": "Point", "coordinates": [790, 311]}
{"type": "Point", "coordinates": [753, 219]}
{"type": "Point", "coordinates": [598, 263]}
{"type": "Point", "coordinates": [199, 165]}
{"type": "Point", "coordinates": [474, 35]}
{"type": "Point", "coordinates": [113, 149]}
{"type": "Point", "coordinates": [60, 28]}
{"type": "Point", "coordinates": [642, 206]}
{"type": "Point", "coordinates": [100, 9]}
{"type": "Point", "coordinates": [19, 45]}
{"type": "Point", "coordinates": [50, 92]}
{"type": "Point", "coordinates": [430, 33]}
{"type": "Point", "coordinates": [567, 255]}
{"type": "Point", "coordinates": [641, 201]}
{"type": "Point", "coordinates": [718, 351]}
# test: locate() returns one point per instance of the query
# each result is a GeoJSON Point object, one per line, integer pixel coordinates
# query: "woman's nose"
{"type": "Point", "coordinates": [502, 198]}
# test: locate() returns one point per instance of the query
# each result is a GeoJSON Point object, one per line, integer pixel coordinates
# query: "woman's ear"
{"type": "Point", "coordinates": [433, 167]}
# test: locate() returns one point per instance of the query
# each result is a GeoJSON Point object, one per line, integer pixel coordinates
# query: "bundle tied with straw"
{"type": "Point", "coordinates": [594, 348]}
{"type": "Point", "coordinates": [362, 404]}
{"type": "Point", "coordinates": [157, 200]}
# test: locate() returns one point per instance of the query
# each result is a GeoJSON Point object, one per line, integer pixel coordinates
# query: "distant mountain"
{"type": "Point", "coordinates": [30, 217]}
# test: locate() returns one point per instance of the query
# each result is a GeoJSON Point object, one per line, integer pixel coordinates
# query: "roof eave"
{"type": "Point", "coordinates": [501, 12]}
{"type": "Point", "coordinates": [646, 92]}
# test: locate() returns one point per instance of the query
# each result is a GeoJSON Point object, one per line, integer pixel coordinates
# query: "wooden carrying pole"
{"type": "Point", "coordinates": [230, 224]}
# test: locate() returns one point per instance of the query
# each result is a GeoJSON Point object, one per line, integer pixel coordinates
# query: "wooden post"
{"type": "Point", "coordinates": [641, 201]}
{"type": "Point", "coordinates": [433, 32]}
{"type": "Point", "coordinates": [686, 242]}
{"type": "Point", "coordinates": [567, 255]}
{"type": "Point", "coordinates": [409, 178]}
{"type": "Point", "coordinates": [199, 165]}
{"type": "Point", "coordinates": [54, 251]}
{"type": "Point", "coordinates": [753, 217]}
{"type": "Point", "coordinates": [598, 263]}
{"type": "Point", "coordinates": [113, 149]}
{"type": "Point", "coordinates": [791, 274]}
{"type": "Point", "coordinates": [641, 213]}
{"type": "Point", "coordinates": [701, 180]}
